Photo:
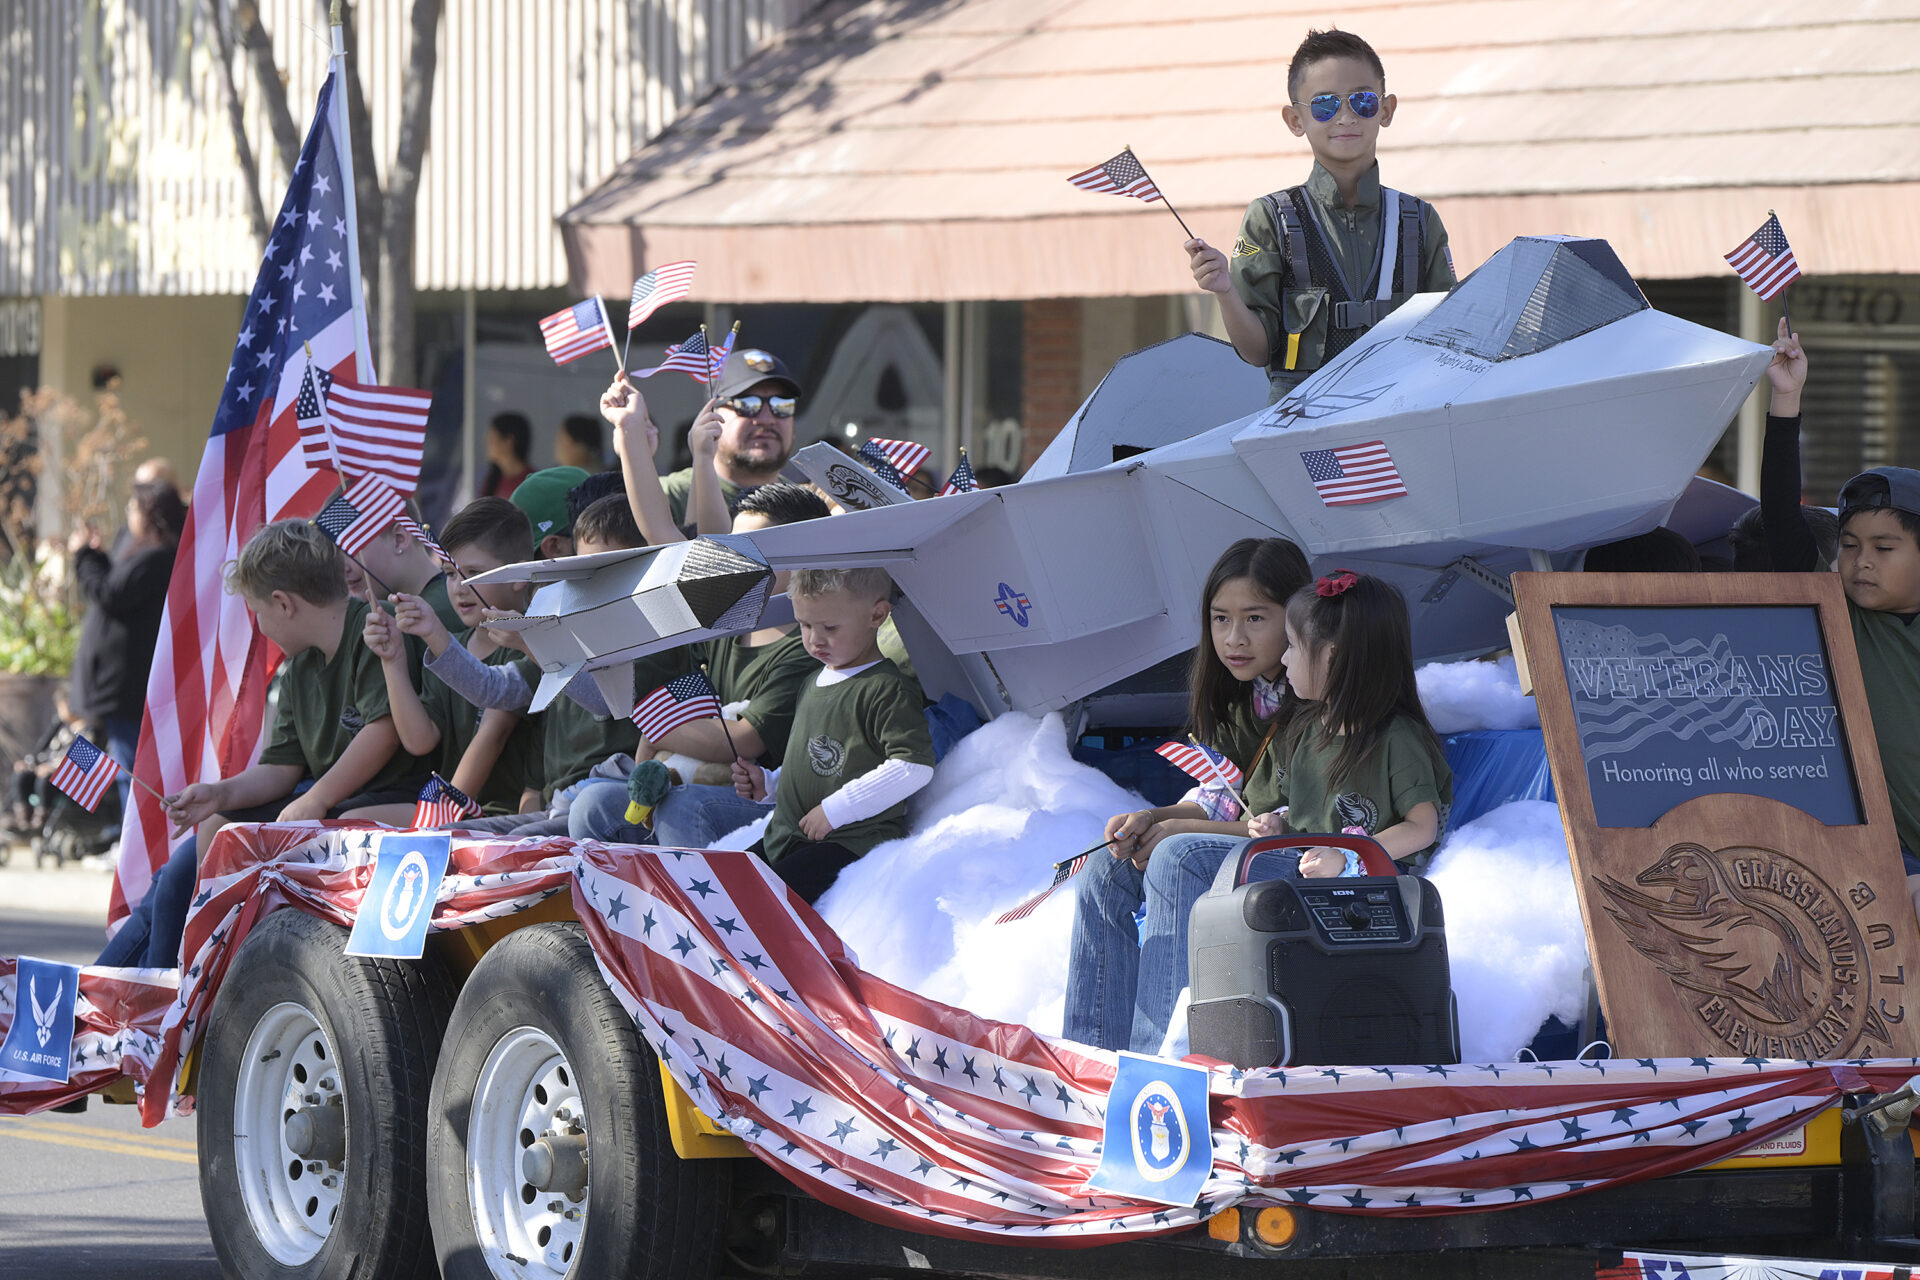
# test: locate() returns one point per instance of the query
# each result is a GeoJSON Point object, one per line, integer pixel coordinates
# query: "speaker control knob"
{"type": "Point", "coordinates": [1356, 916]}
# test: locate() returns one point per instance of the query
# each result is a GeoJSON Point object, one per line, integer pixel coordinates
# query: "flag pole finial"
{"type": "Point", "coordinates": [335, 13]}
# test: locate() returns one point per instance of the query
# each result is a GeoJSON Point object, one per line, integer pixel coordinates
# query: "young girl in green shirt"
{"type": "Point", "coordinates": [1121, 985]}
{"type": "Point", "coordinates": [1361, 757]}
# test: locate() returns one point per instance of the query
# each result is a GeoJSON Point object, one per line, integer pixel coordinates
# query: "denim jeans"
{"type": "Point", "coordinates": [599, 812]}
{"type": "Point", "coordinates": [694, 816]}
{"type": "Point", "coordinates": [151, 936]}
{"type": "Point", "coordinates": [123, 739]}
{"type": "Point", "coordinates": [1122, 981]}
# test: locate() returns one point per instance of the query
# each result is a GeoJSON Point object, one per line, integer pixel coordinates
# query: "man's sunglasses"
{"type": "Point", "coordinates": [749, 406]}
{"type": "Point", "coordinates": [1325, 106]}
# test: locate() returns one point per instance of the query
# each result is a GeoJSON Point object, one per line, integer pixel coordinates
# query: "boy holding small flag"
{"type": "Point", "coordinates": [1317, 265]}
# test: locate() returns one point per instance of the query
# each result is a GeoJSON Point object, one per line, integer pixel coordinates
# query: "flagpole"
{"type": "Point", "coordinates": [343, 148]}
{"type": "Point", "coordinates": [723, 719]}
{"type": "Point", "coordinates": [606, 327]}
{"type": "Point", "coordinates": [1785, 312]}
{"type": "Point", "coordinates": [706, 362]}
{"type": "Point", "coordinates": [1163, 198]}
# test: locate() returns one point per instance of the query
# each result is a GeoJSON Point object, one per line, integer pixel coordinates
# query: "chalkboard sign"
{"type": "Point", "coordinates": [1732, 839]}
{"type": "Point", "coordinates": [1673, 703]}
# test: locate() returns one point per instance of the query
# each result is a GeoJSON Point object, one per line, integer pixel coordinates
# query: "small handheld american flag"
{"type": "Point", "coordinates": [577, 331]}
{"type": "Point", "coordinates": [962, 480]}
{"type": "Point", "coordinates": [689, 357]}
{"type": "Point", "coordinates": [371, 430]}
{"type": "Point", "coordinates": [905, 455]}
{"type": "Point", "coordinates": [1123, 175]}
{"type": "Point", "coordinates": [1204, 764]}
{"type": "Point", "coordinates": [871, 454]}
{"type": "Point", "coordinates": [1764, 260]}
{"type": "Point", "coordinates": [717, 357]}
{"type": "Point", "coordinates": [668, 282]}
{"type": "Point", "coordinates": [675, 703]}
{"type": "Point", "coordinates": [85, 773]}
{"type": "Point", "coordinates": [356, 517]}
{"type": "Point", "coordinates": [425, 539]}
{"type": "Point", "coordinates": [310, 418]}
{"type": "Point", "coordinates": [442, 803]}
{"type": "Point", "coordinates": [1062, 872]}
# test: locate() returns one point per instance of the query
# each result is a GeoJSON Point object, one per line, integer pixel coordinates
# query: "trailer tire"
{"type": "Point", "coordinates": [540, 1052]}
{"type": "Point", "coordinates": [271, 1138]}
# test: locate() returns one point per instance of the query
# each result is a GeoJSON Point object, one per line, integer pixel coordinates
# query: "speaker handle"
{"type": "Point", "coordinates": [1374, 860]}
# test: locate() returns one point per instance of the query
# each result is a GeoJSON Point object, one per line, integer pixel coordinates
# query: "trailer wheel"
{"type": "Point", "coordinates": [313, 1107]}
{"type": "Point", "coordinates": [550, 1156]}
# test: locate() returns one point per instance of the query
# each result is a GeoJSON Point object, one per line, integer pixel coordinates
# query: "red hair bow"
{"type": "Point", "coordinates": [1335, 583]}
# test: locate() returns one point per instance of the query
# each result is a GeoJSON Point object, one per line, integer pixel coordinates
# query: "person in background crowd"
{"type": "Point", "coordinates": [126, 595]}
{"type": "Point", "coordinates": [509, 448]}
{"type": "Point", "coordinates": [579, 444]}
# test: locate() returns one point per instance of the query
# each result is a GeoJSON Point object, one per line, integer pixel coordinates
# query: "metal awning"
{"type": "Point", "coordinates": [917, 150]}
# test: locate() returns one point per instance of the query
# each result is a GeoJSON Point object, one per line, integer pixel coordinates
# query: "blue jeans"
{"type": "Point", "coordinates": [123, 739]}
{"type": "Point", "coordinates": [694, 816]}
{"type": "Point", "coordinates": [151, 936]}
{"type": "Point", "coordinates": [599, 812]}
{"type": "Point", "coordinates": [1122, 981]}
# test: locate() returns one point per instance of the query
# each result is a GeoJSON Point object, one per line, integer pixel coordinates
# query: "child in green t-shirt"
{"type": "Point", "coordinates": [332, 726]}
{"type": "Point", "coordinates": [492, 755]}
{"type": "Point", "coordinates": [1362, 758]}
{"type": "Point", "coordinates": [859, 746]}
{"type": "Point", "coordinates": [1878, 560]}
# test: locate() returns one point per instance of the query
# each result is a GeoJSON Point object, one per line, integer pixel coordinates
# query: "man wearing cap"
{"type": "Point", "coordinates": [756, 397]}
{"type": "Point", "coordinates": [543, 496]}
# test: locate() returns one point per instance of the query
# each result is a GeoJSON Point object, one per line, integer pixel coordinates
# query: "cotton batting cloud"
{"type": "Point", "coordinates": [1010, 801]}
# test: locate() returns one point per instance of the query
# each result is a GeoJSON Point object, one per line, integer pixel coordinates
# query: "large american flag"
{"type": "Point", "coordinates": [677, 702]}
{"type": "Point", "coordinates": [84, 773]}
{"type": "Point", "coordinates": [206, 693]}
{"type": "Point", "coordinates": [1764, 260]}
{"type": "Point", "coordinates": [1123, 175]}
{"type": "Point", "coordinates": [576, 331]}
{"type": "Point", "coordinates": [1354, 473]}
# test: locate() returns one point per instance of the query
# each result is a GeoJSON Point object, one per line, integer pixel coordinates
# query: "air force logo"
{"type": "Point", "coordinates": [1158, 1144]}
{"type": "Point", "coordinates": [1014, 604]}
{"type": "Point", "coordinates": [40, 1041]}
{"type": "Point", "coordinates": [398, 906]}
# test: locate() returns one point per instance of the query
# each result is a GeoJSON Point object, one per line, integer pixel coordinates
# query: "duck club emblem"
{"type": "Point", "coordinates": [1769, 956]}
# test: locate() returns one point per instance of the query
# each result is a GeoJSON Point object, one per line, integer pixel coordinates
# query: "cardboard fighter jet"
{"type": "Point", "coordinates": [1540, 408]}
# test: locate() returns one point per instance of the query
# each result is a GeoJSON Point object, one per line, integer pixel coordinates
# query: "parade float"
{"type": "Point", "coordinates": [655, 1062]}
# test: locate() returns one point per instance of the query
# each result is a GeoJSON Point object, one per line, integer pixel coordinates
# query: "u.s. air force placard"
{"type": "Point", "coordinates": [1731, 834]}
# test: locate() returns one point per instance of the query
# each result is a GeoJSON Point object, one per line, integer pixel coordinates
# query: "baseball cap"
{"type": "Point", "coordinates": [1896, 487]}
{"type": "Point", "coordinates": [749, 368]}
{"type": "Point", "coordinates": [543, 497]}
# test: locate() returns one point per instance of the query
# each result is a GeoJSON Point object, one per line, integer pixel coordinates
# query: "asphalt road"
{"type": "Point", "coordinates": [94, 1195]}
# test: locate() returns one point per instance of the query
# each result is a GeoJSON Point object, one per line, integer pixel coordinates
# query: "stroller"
{"type": "Point", "coordinates": [55, 828]}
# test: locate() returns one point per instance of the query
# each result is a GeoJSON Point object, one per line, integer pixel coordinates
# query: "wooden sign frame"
{"type": "Point", "coordinates": [1735, 924]}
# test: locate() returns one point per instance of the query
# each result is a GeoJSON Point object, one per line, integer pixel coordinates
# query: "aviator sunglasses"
{"type": "Point", "coordinates": [749, 406]}
{"type": "Point", "coordinates": [1325, 106]}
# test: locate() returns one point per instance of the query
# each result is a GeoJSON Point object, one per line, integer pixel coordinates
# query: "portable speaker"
{"type": "Point", "coordinates": [1338, 972]}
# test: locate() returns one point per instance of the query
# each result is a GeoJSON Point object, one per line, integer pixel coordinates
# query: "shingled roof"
{"type": "Point", "coordinates": [917, 150]}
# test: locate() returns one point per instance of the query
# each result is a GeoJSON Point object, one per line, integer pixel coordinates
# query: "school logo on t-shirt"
{"type": "Point", "coordinates": [1356, 810]}
{"type": "Point", "coordinates": [826, 755]}
{"type": "Point", "coordinates": [350, 718]}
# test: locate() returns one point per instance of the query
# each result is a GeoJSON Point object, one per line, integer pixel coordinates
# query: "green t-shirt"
{"type": "Point", "coordinates": [324, 704]}
{"type": "Point", "coordinates": [1401, 774]}
{"type": "Point", "coordinates": [1241, 737]}
{"type": "Point", "coordinates": [575, 740]}
{"type": "Point", "coordinates": [768, 678]}
{"type": "Point", "coordinates": [1889, 649]}
{"type": "Point", "coordinates": [679, 490]}
{"type": "Point", "coordinates": [839, 733]}
{"type": "Point", "coordinates": [519, 765]}
{"type": "Point", "coordinates": [1258, 266]}
{"type": "Point", "coordinates": [435, 594]}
